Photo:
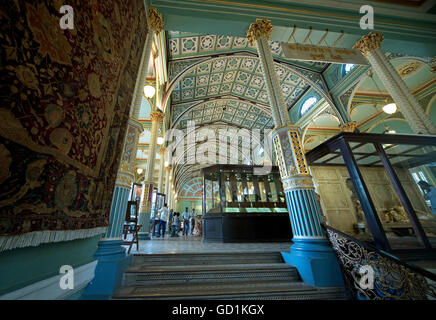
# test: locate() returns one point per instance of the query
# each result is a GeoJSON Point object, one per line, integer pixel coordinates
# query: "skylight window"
{"type": "Point", "coordinates": [348, 67]}
{"type": "Point", "coordinates": [308, 104]}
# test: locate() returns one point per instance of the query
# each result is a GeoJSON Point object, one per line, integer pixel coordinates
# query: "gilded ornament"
{"type": "Point", "coordinates": [369, 43]}
{"type": "Point", "coordinates": [408, 69]}
{"type": "Point", "coordinates": [349, 126]}
{"type": "Point", "coordinates": [155, 20]}
{"type": "Point", "coordinates": [261, 28]}
{"type": "Point", "coordinates": [156, 115]}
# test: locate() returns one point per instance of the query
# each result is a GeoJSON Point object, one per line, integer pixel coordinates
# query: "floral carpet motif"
{"type": "Point", "coordinates": [66, 96]}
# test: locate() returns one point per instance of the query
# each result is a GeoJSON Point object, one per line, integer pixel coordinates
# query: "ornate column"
{"type": "Point", "coordinates": [161, 170]}
{"type": "Point", "coordinates": [167, 184]}
{"type": "Point", "coordinates": [144, 212]}
{"type": "Point", "coordinates": [112, 258]}
{"type": "Point", "coordinates": [310, 253]}
{"type": "Point", "coordinates": [414, 114]}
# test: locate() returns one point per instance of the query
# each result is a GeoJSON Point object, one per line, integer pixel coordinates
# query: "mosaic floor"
{"type": "Point", "coordinates": [194, 244]}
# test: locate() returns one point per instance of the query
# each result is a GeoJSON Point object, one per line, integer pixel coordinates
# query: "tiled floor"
{"type": "Point", "coordinates": [194, 244]}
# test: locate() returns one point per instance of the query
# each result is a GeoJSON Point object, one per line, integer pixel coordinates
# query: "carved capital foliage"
{"type": "Point", "coordinates": [261, 28]}
{"type": "Point", "coordinates": [162, 151]}
{"type": "Point", "coordinates": [369, 43]}
{"type": "Point", "coordinates": [155, 20]}
{"type": "Point", "coordinates": [156, 115]}
{"type": "Point", "coordinates": [349, 126]}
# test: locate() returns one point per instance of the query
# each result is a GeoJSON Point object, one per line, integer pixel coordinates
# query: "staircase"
{"type": "Point", "coordinates": [236, 275]}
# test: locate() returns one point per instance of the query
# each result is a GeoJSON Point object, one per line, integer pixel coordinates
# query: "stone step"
{"type": "Point", "coordinates": [207, 258]}
{"type": "Point", "coordinates": [185, 275]}
{"type": "Point", "coordinates": [231, 290]}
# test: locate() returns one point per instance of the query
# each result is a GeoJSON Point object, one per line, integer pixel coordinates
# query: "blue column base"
{"type": "Point", "coordinates": [112, 261]}
{"type": "Point", "coordinates": [316, 262]}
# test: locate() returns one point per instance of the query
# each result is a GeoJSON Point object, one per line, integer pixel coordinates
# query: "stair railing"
{"type": "Point", "coordinates": [372, 274]}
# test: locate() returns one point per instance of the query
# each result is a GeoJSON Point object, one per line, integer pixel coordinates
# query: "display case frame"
{"type": "Point", "coordinates": [381, 143]}
{"type": "Point", "coordinates": [248, 219]}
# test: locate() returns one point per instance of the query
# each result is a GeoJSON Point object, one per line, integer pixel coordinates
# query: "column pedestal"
{"type": "Point", "coordinates": [112, 261]}
{"type": "Point", "coordinates": [315, 261]}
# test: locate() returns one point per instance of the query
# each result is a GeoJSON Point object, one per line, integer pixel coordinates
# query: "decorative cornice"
{"type": "Point", "coordinates": [155, 20]}
{"type": "Point", "coordinates": [156, 115]}
{"type": "Point", "coordinates": [258, 29]}
{"type": "Point", "coordinates": [369, 43]}
{"type": "Point", "coordinates": [349, 126]}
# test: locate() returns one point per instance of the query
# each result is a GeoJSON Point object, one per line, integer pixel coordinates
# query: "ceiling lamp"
{"type": "Point", "coordinates": [166, 164]}
{"type": "Point", "coordinates": [149, 91]}
{"type": "Point", "coordinates": [139, 170]}
{"type": "Point", "coordinates": [160, 140]}
{"type": "Point", "coordinates": [390, 108]}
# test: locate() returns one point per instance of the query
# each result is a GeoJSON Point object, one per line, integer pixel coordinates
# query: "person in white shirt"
{"type": "Point", "coordinates": [186, 216]}
{"type": "Point", "coordinates": [163, 220]}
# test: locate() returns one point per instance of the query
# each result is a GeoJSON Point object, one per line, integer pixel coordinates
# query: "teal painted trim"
{"type": "Point", "coordinates": [25, 266]}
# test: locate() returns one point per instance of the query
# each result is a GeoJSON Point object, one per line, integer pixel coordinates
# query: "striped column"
{"type": "Point", "coordinates": [412, 111]}
{"type": "Point", "coordinates": [311, 253]}
{"type": "Point", "coordinates": [145, 209]}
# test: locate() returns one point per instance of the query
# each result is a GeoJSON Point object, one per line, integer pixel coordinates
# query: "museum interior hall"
{"type": "Point", "coordinates": [208, 149]}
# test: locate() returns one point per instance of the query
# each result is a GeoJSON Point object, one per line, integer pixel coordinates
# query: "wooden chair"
{"type": "Point", "coordinates": [131, 225]}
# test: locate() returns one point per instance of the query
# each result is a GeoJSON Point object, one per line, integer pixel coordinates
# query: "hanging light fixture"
{"type": "Point", "coordinates": [160, 140]}
{"type": "Point", "coordinates": [139, 170]}
{"type": "Point", "coordinates": [390, 108]}
{"type": "Point", "coordinates": [149, 91]}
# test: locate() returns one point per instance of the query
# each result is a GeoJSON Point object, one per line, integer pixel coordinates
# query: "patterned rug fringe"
{"type": "Point", "coordinates": [38, 237]}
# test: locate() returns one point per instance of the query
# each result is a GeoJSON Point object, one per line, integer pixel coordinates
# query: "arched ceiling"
{"type": "Point", "coordinates": [240, 76]}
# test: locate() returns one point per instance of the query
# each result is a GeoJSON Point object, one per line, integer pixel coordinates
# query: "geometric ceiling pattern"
{"type": "Point", "coordinates": [238, 76]}
{"type": "Point", "coordinates": [183, 45]}
{"type": "Point", "coordinates": [234, 112]}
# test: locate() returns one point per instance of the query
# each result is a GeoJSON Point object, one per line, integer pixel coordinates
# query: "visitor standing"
{"type": "Point", "coordinates": [175, 225]}
{"type": "Point", "coordinates": [192, 218]}
{"type": "Point", "coordinates": [163, 220]}
{"type": "Point", "coordinates": [186, 216]}
{"type": "Point", "coordinates": [429, 194]}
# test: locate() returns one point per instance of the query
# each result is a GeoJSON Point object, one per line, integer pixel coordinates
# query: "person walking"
{"type": "Point", "coordinates": [186, 216]}
{"type": "Point", "coordinates": [163, 220]}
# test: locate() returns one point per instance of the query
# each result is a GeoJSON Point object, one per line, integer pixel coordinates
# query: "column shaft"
{"type": "Point", "coordinates": [311, 253]}
{"type": "Point", "coordinates": [414, 114]}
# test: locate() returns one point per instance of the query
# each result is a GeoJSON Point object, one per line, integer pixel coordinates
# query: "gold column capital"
{"type": "Point", "coordinates": [349, 126]}
{"type": "Point", "coordinates": [155, 20]}
{"type": "Point", "coordinates": [162, 150]}
{"type": "Point", "coordinates": [156, 115]}
{"type": "Point", "coordinates": [369, 43]}
{"type": "Point", "coordinates": [258, 29]}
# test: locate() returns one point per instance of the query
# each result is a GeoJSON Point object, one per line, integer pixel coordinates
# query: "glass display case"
{"type": "Point", "coordinates": [241, 205]}
{"type": "Point", "coordinates": [379, 188]}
